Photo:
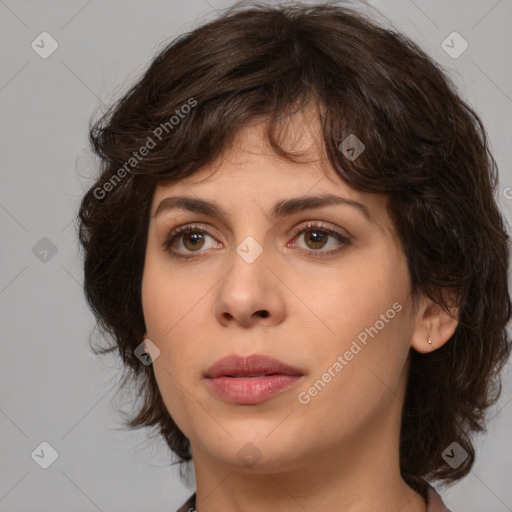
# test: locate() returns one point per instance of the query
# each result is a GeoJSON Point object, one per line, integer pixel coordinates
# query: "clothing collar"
{"type": "Point", "coordinates": [434, 502]}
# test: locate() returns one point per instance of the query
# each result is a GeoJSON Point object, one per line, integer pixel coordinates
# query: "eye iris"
{"type": "Point", "coordinates": [193, 238]}
{"type": "Point", "coordinates": [316, 237]}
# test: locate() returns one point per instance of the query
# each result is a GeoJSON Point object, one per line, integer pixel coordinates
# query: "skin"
{"type": "Point", "coordinates": [340, 450]}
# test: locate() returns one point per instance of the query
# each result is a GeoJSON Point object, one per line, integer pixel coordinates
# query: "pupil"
{"type": "Point", "coordinates": [194, 239]}
{"type": "Point", "coordinates": [316, 238]}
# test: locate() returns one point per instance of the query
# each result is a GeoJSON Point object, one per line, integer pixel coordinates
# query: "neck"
{"type": "Point", "coordinates": [312, 489]}
{"type": "Point", "coordinates": [363, 475]}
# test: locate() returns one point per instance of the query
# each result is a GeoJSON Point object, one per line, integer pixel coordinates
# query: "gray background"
{"type": "Point", "coordinates": [52, 388]}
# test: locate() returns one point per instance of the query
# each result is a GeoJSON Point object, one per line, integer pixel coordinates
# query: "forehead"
{"type": "Point", "coordinates": [249, 174]}
{"type": "Point", "coordinates": [249, 159]}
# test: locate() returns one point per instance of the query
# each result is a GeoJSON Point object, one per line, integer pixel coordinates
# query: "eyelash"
{"type": "Point", "coordinates": [311, 253]}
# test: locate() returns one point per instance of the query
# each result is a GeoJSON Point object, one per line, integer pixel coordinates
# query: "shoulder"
{"type": "Point", "coordinates": [434, 501]}
{"type": "Point", "coordinates": [189, 505]}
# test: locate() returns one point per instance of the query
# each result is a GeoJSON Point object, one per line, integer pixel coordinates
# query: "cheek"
{"type": "Point", "coordinates": [170, 315]}
{"type": "Point", "coordinates": [175, 320]}
{"type": "Point", "coordinates": [366, 310]}
{"type": "Point", "coordinates": [166, 297]}
{"type": "Point", "coordinates": [355, 296]}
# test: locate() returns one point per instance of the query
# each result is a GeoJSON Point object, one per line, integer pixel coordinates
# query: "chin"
{"type": "Point", "coordinates": [257, 452]}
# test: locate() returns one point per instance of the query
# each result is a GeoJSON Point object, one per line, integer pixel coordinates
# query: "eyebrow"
{"type": "Point", "coordinates": [280, 209]}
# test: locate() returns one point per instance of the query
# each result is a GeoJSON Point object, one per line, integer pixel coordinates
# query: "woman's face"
{"type": "Point", "coordinates": [330, 301]}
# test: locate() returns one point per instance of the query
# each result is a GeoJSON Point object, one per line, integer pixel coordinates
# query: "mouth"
{"type": "Point", "coordinates": [255, 365]}
{"type": "Point", "coordinates": [250, 380]}
{"type": "Point", "coordinates": [251, 375]}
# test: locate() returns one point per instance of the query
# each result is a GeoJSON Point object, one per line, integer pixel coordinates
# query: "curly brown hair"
{"type": "Point", "coordinates": [426, 149]}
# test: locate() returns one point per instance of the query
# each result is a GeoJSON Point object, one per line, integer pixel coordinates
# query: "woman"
{"type": "Point", "coordinates": [295, 245]}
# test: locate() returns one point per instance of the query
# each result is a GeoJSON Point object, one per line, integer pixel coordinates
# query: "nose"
{"type": "Point", "coordinates": [250, 294]}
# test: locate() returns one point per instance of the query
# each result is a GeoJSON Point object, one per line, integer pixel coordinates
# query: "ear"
{"type": "Point", "coordinates": [433, 322]}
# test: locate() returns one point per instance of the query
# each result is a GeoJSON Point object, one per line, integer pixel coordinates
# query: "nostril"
{"type": "Point", "coordinates": [263, 313]}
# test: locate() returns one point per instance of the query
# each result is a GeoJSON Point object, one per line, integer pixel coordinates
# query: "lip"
{"type": "Point", "coordinates": [252, 379]}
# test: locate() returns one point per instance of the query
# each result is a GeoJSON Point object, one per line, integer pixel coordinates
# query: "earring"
{"type": "Point", "coordinates": [429, 340]}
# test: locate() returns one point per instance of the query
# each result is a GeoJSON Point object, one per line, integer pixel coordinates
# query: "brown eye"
{"type": "Point", "coordinates": [193, 240]}
{"type": "Point", "coordinates": [315, 239]}
{"type": "Point", "coordinates": [186, 240]}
